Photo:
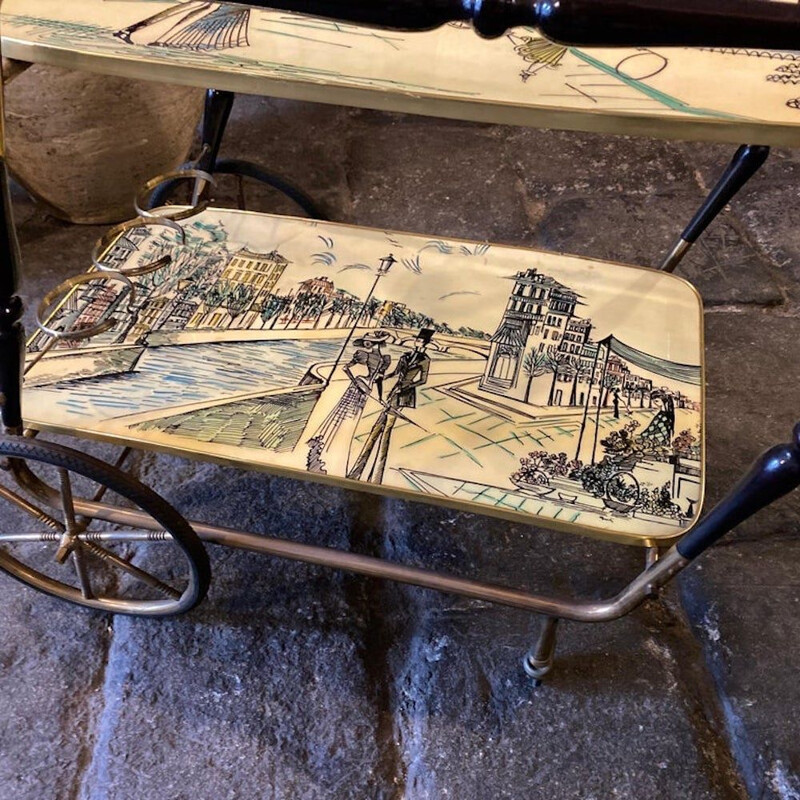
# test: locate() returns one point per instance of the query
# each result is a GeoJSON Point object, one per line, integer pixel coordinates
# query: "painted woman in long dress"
{"type": "Point", "coordinates": [662, 427]}
{"type": "Point", "coordinates": [340, 423]}
{"type": "Point", "coordinates": [195, 25]}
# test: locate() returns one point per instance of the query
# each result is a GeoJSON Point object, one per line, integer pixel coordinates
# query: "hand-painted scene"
{"type": "Point", "coordinates": [525, 382]}
{"type": "Point", "coordinates": [521, 68]}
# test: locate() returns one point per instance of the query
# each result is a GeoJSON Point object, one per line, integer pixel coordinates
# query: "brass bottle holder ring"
{"type": "Point", "coordinates": [142, 205]}
{"type": "Point", "coordinates": [50, 301]}
{"type": "Point", "coordinates": [165, 215]}
{"type": "Point", "coordinates": [168, 216]}
{"type": "Point", "coordinates": [103, 244]}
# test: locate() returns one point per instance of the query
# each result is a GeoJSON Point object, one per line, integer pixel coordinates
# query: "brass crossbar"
{"type": "Point", "coordinates": [641, 587]}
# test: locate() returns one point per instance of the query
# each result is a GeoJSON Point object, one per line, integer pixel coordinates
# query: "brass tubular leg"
{"type": "Point", "coordinates": [539, 659]}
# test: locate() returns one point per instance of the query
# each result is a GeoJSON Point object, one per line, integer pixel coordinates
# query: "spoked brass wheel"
{"type": "Point", "coordinates": [53, 537]}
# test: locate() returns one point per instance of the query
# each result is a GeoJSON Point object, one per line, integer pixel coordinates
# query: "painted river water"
{"type": "Point", "coordinates": [175, 375]}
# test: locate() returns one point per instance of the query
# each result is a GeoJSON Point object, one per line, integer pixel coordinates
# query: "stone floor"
{"type": "Point", "coordinates": [294, 682]}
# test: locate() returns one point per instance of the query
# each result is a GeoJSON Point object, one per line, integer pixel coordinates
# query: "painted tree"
{"type": "Point", "coordinates": [534, 365]}
{"type": "Point", "coordinates": [238, 299]}
{"type": "Point", "coordinates": [300, 306]}
{"type": "Point", "coordinates": [610, 382]}
{"type": "Point", "coordinates": [270, 309]}
{"type": "Point", "coordinates": [317, 307]}
{"type": "Point", "coordinates": [353, 311]}
{"type": "Point", "coordinates": [579, 370]}
{"type": "Point", "coordinates": [556, 362]}
{"type": "Point", "coordinates": [290, 309]}
{"type": "Point", "coordinates": [214, 297]}
{"type": "Point", "coordinates": [473, 333]}
{"type": "Point", "coordinates": [192, 260]}
{"type": "Point", "coordinates": [335, 307]}
{"type": "Point", "coordinates": [398, 317]}
{"type": "Point", "coordinates": [411, 318]}
{"type": "Point", "coordinates": [375, 305]}
{"type": "Point", "coordinates": [369, 310]}
{"type": "Point", "coordinates": [285, 302]}
{"type": "Point", "coordinates": [347, 306]}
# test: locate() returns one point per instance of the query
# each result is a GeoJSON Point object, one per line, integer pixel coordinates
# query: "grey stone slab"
{"type": "Point", "coordinates": [764, 210]}
{"type": "Point", "coordinates": [561, 163]}
{"type": "Point", "coordinates": [708, 161]}
{"type": "Point", "coordinates": [769, 210]}
{"type": "Point", "coordinates": [628, 200]}
{"type": "Point", "coordinates": [751, 404]}
{"type": "Point", "coordinates": [626, 712]}
{"type": "Point", "coordinates": [613, 722]}
{"type": "Point", "coordinates": [744, 601]}
{"type": "Point", "coordinates": [742, 596]}
{"type": "Point", "coordinates": [728, 268]}
{"type": "Point", "coordinates": [261, 692]}
{"type": "Point", "coordinates": [52, 661]}
{"type": "Point", "coordinates": [443, 180]}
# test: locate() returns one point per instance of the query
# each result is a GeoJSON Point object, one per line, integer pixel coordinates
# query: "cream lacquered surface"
{"type": "Point", "coordinates": [742, 96]}
{"type": "Point", "coordinates": [294, 346]}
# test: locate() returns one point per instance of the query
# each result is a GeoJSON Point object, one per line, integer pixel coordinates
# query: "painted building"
{"type": "Point", "coordinates": [254, 276]}
{"type": "Point", "coordinates": [315, 286]}
{"type": "Point", "coordinates": [91, 305]}
{"type": "Point", "coordinates": [576, 335]}
{"type": "Point", "coordinates": [119, 254]}
{"type": "Point", "coordinates": [96, 301]}
{"type": "Point", "coordinates": [309, 303]}
{"type": "Point", "coordinates": [542, 352]}
{"type": "Point", "coordinates": [539, 321]}
{"type": "Point", "coordinates": [390, 311]}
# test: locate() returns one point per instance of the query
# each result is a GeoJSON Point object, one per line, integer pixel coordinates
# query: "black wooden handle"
{"type": "Point", "coordinates": [774, 474]}
{"type": "Point", "coordinates": [705, 23]}
{"type": "Point", "coordinates": [9, 249]}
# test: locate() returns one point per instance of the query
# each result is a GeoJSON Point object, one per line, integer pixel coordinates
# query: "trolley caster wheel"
{"type": "Point", "coordinates": [60, 545]}
{"type": "Point", "coordinates": [536, 670]}
{"type": "Point", "coordinates": [538, 661]}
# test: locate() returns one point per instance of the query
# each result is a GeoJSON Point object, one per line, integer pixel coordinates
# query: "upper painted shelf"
{"type": "Point", "coordinates": [733, 96]}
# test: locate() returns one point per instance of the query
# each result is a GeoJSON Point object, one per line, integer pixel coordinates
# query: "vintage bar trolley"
{"type": "Point", "coordinates": [560, 391]}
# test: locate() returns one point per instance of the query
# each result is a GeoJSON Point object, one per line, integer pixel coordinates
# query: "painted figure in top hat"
{"type": "Point", "coordinates": [411, 372]}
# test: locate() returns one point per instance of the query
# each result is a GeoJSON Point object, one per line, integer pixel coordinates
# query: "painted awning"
{"type": "Point", "coordinates": [508, 334]}
{"type": "Point", "coordinates": [685, 373]}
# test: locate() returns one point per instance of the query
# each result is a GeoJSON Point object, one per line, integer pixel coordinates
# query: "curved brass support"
{"type": "Point", "coordinates": [45, 310]}
{"type": "Point", "coordinates": [31, 482]}
{"type": "Point", "coordinates": [202, 181]}
{"type": "Point", "coordinates": [110, 236]}
{"type": "Point", "coordinates": [642, 587]}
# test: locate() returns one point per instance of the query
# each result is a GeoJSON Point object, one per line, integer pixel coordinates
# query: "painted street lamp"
{"type": "Point", "coordinates": [384, 266]}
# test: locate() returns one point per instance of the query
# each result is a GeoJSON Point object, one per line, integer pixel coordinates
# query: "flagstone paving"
{"type": "Point", "coordinates": [294, 682]}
